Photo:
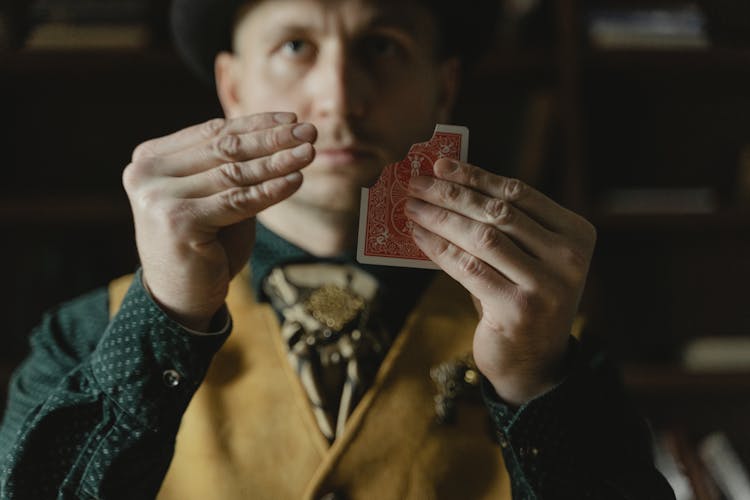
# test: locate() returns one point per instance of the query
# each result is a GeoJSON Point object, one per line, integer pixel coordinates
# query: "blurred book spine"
{"type": "Point", "coordinates": [671, 467]}
{"type": "Point", "coordinates": [89, 11]}
{"type": "Point", "coordinates": [89, 24]}
{"type": "Point", "coordinates": [681, 27]}
{"type": "Point", "coordinates": [725, 466]}
{"type": "Point", "coordinates": [717, 354]}
{"type": "Point", "coordinates": [689, 463]}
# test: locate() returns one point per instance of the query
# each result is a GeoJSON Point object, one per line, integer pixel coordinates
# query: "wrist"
{"type": "Point", "coordinates": [193, 321]}
{"type": "Point", "coordinates": [519, 383]}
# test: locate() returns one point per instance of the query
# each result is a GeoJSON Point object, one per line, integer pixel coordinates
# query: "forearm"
{"type": "Point", "coordinates": [106, 426]}
{"type": "Point", "coordinates": [582, 439]}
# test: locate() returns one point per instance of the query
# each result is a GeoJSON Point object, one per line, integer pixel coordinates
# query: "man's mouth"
{"type": "Point", "coordinates": [343, 156]}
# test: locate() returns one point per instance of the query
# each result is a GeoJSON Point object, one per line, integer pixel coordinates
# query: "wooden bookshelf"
{"type": "Point", "coordinates": [668, 119]}
{"type": "Point", "coordinates": [621, 118]}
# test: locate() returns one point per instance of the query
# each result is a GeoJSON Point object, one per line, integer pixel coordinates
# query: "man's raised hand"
{"type": "Point", "coordinates": [194, 196]}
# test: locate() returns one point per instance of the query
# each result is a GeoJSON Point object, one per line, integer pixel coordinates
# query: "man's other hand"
{"type": "Point", "coordinates": [524, 259]}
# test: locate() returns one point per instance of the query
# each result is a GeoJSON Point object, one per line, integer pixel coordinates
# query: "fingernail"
{"type": "Point", "coordinates": [284, 118]}
{"type": "Point", "coordinates": [410, 207]}
{"type": "Point", "coordinates": [421, 183]}
{"type": "Point", "coordinates": [302, 151]}
{"type": "Point", "coordinates": [417, 233]}
{"type": "Point", "coordinates": [304, 132]}
{"type": "Point", "coordinates": [293, 177]}
{"type": "Point", "coordinates": [447, 167]}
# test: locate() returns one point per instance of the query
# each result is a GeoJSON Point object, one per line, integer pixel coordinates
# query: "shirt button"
{"type": "Point", "coordinates": [171, 378]}
{"type": "Point", "coordinates": [502, 440]}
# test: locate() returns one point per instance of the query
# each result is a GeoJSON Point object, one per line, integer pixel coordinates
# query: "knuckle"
{"type": "Point", "coordinates": [143, 150]}
{"type": "Point", "coordinates": [573, 257]}
{"type": "Point", "coordinates": [449, 192]}
{"type": "Point", "coordinates": [469, 265]}
{"type": "Point", "coordinates": [212, 128]}
{"type": "Point", "coordinates": [443, 249]}
{"type": "Point", "coordinates": [129, 178]}
{"type": "Point", "coordinates": [514, 189]}
{"type": "Point", "coordinates": [276, 162]}
{"type": "Point", "coordinates": [134, 174]}
{"type": "Point", "coordinates": [173, 215]}
{"type": "Point", "coordinates": [272, 139]}
{"type": "Point", "coordinates": [236, 199]}
{"type": "Point", "coordinates": [231, 174]}
{"type": "Point", "coordinates": [440, 217]}
{"type": "Point", "coordinates": [227, 147]}
{"type": "Point", "coordinates": [474, 177]}
{"type": "Point", "coordinates": [590, 233]}
{"type": "Point", "coordinates": [497, 211]}
{"type": "Point", "coordinates": [487, 237]}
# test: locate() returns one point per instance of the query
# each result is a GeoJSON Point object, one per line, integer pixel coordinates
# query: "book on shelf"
{"type": "Point", "coordinates": [61, 36]}
{"type": "Point", "coordinates": [671, 467]}
{"type": "Point", "coordinates": [89, 24]}
{"type": "Point", "coordinates": [690, 469]}
{"type": "Point", "coordinates": [659, 201]}
{"type": "Point", "coordinates": [717, 354]}
{"type": "Point", "coordinates": [89, 11]}
{"type": "Point", "coordinates": [725, 466]}
{"type": "Point", "coordinates": [679, 27]}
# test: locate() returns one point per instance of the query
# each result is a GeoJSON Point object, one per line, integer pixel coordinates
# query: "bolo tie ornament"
{"type": "Point", "coordinates": [454, 380]}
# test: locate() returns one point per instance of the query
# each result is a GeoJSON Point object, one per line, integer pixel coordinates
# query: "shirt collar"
{"type": "Point", "coordinates": [399, 287]}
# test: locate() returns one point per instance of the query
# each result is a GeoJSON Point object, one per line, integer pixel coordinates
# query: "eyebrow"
{"type": "Point", "coordinates": [407, 23]}
{"type": "Point", "coordinates": [403, 20]}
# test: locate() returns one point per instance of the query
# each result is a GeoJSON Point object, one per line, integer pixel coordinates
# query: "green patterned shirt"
{"type": "Point", "coordinates": [94, 410]}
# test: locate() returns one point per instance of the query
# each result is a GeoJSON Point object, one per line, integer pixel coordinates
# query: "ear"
{"type": "Point", "coordinates": [450, 80]}
{"type": "Point", "coordinates": [226, 72]}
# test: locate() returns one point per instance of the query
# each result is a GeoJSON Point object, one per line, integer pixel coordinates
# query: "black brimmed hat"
{"type": "Point", "coordinates": [203, 28]}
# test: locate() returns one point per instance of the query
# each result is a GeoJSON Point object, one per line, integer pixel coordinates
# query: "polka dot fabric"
{"type": "Point", "coordinates": [581, 440]}
{"type": "Point", "coordinates": [101, 423]}
{"type": "Point", "coordinates": [93, 413]}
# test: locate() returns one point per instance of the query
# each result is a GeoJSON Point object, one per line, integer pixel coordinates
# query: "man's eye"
{"type": "Point", "coordinates": [298, 48]}
{"type": "Point", "coordinates": [381, 46]}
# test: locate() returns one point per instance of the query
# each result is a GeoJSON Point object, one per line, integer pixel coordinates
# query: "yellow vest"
{"type": "Point", "coordinates": [249, 432]}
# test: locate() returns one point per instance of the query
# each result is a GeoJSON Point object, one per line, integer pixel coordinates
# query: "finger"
{"type": "Point", "coordinates": [241, 203]}
{"type": "Point", "coordinates": [535, 204]}
{"type": "Point", "coordinates": [242, 174]}
{"type": "Point", "coordinates": [481, 280]}
{"type": "Point", "coordinates": [203, 132]}
{"type": "Point", "coordinates": [232, 148]}
{"type": "Point", "coordinates": [484, 241]}
{"type": "Point", "coordinates": [531, 236]}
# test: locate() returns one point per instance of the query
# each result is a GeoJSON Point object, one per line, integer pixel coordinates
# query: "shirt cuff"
{"type": "Point", "coordinates": [220, 318]}
{"type": "Point", "coordinates": [147, 364]}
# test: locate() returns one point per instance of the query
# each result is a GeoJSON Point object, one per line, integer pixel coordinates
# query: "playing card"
{"type": "Point", "coordinates": [384, 230]}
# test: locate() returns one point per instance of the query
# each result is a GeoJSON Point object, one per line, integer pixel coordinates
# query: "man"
{"type": "Point", "coordinates": [323, 389]}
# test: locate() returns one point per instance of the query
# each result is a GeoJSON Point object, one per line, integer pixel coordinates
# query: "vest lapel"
{"type": "Point", "coordinates": [393, 448]}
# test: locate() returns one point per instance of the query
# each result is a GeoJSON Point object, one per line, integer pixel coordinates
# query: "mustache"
{"type": "Point", "coordinates": [348, 136]}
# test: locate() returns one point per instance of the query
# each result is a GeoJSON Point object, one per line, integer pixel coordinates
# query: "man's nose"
{"type": "Point", "coordinates": [340, 86]}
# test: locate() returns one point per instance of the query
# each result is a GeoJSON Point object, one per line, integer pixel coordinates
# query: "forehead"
{"type": "Point", "coordinates": [350, 15]}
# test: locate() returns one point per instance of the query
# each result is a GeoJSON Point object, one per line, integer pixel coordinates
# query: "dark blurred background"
{"type": "Point", "coordinates": [634, 113]}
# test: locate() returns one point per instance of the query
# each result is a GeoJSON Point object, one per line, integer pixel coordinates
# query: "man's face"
{"type": "Point", "coordinates": [363, 72]}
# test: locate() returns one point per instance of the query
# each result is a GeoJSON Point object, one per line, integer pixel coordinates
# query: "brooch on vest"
{"type": "Point", "coordinates": [455, 380]}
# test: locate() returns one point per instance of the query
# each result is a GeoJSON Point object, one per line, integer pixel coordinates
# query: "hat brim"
{"type": "Point", "coordinates": [200, 30]}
